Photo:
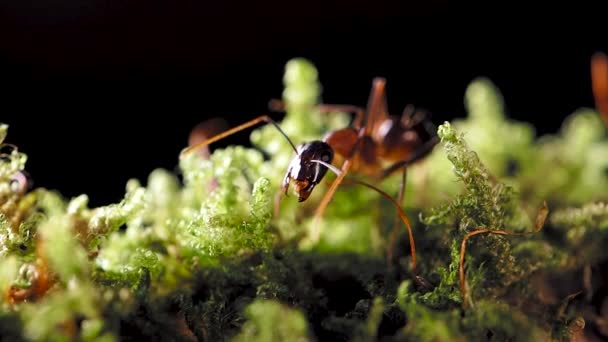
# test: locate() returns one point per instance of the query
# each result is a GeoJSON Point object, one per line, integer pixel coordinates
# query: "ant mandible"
{"type": "Point", "coordinates": [374, 139]}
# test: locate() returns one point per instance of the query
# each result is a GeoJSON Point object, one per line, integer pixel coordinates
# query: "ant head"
{"type": "Point", "coordinates": [304, 171]}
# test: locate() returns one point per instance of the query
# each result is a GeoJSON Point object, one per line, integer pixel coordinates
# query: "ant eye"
{"type": "Point", "coordinates": [325, 158]}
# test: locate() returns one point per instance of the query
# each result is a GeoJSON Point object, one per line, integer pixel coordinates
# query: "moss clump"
{"type": "Point", "coordinates": [209, 254]}
{"type": "Point", "coordinates": [262, 317]}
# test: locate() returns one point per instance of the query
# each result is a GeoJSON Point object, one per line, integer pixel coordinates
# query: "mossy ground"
{"type": "Point", "coordinates": [201, 255]}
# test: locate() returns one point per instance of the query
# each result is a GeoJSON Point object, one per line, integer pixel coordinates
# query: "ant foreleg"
{"type": "Point", "coordinates": [421, 281]}
{"type": "Point", "coordinates": [341, 141]}
{"type": "Point", "coordinates": [315, 234]}
{"type": "Point", "coordinates": [400, 211]}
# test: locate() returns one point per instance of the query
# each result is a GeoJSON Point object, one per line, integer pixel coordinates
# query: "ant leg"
{"type": "Point", "coordinates": [263, 118]}
{"type": "Point", "coordinates": [316, 233]}
{"type": "Point", "coordinates": [599, 83]}
{"type": "Point", "coordinates": [277, 202]}
{"type": "Point", "coordinates": [418, 154]}
{"type": "Point", "coordinates": [376, 111]}
{"type": "Point", "coordinates": [344, 142]}
{"type": "Point", "coordinates": [377, 108]}
{"type": "Point", "coordinates": [421, 281]}
{"type": "Point", "coordinates": [400, 211]}
{"type": "Point", "coordinates": [395, 231]}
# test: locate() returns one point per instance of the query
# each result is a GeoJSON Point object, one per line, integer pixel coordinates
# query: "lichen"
{"type": "Point", "coordinates": [212, 252]}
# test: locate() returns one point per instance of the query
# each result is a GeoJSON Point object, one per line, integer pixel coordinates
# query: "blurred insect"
{"type": "Point", "coordinates": [599, 83]}
{"type": "Point", "coordinates": [373, 140]}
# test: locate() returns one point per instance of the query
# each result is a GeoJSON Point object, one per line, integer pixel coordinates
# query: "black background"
{"type": "Point", "coordinates": [97, 92]}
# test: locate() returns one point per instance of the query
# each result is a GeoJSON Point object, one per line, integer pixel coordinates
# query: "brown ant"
{"type": "Point", "coordinates": [373, 140]}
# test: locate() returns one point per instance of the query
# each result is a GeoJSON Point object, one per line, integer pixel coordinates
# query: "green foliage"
{"type": "Point", "coordinates": [571, 167]}
{"type": "Point", "coordinates": [489, 319]}
{"type": "Point", "coordinates": [592, 215]}
{"type": "Point", "coordinates": [262, 317]}
{"type": "Point", "coordinates": [202, 255]}
{"type": "Point", "coordinates": [486, 204]}
{"type": "Point", "coordinates": [582, 230]}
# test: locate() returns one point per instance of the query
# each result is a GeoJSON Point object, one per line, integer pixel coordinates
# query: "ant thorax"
{"type": "Point", "coordinates": [304, 171]}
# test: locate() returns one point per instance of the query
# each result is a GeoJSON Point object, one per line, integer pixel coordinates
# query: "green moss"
{"type": "Point", "coordinates": [485, 204]}
{"type": "Point", "coordinates": [204, 257]}
{"type": "Point", "coordinates": [489, 320]}
{"type": "Point", "coordinates": [262, 317]}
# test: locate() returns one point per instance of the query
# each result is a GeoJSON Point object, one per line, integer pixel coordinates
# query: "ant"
{"type": "Point", "coordinates": [374, 139]}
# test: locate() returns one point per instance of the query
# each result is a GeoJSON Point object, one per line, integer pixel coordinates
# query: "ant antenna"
{"type": "Point", "coordinates": [263, 118]}
{"type": "Point", "coordinates": [387, 196]}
